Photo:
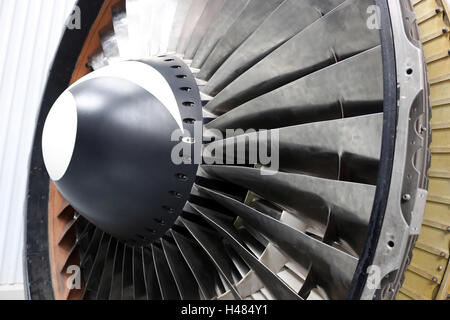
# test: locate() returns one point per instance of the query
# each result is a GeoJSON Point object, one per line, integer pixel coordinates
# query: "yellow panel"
{"type": "Point", "coordinates": [435, 239]}
{"type": "Point", "coordinates": [441, 117]}
{"type": "Point", "coordinates": [440, 187]}
{"type": "Point", "coordinates": [428, 265]}
{"type": "Point", "coordinates": [439, 69]}
{"type": "Point", "coordinates": [402, 296]}
{"type": "Point", "coordinates": [438, 212]}
{"type": "Point", "coordinates": [436, 46]}
{"type": "Point", "coordinates": [431, 26]}
{"type": "Point", "coordinates": [440, 161]}
{"type": "Point", "coordinates": [423, 7]}
{"type": "Point", "coordinates": [440, 90]}
{"type": "Point", "coordinates": [441, 138]}
{"type": "Point", "coordinates": [418, 287]}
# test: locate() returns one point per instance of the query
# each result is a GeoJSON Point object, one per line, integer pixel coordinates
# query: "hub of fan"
{"type": "Point", "coordinates": [108, 141]}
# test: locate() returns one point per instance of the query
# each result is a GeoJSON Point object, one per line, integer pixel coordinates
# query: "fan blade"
{"type": "Point", "coordinates": [140, 289]}
{"type": "Point", "coordinates": [185, 281]}
{"type": "Point", "coordinates": [193, 17]}
{"type": "Point", "coordinates": [166, 282]}
{"type": "Point", "coordinates": [248, 21]}
{"type": "Point", "coordinates": [181, 14]}
{"type": "Point", "coordinates": [335, 267]}
{"type": "Point", "coordinates": [120, 25]}
{"type": "Point", "coordinates": [216, 30]}
{"type": "Point", "coordinates": [203, 270]}
{"type": "Point", "coordinates": [212, 9]}
{"type": "Point", "coordinates": [116, 281]}
{"type": "Point", "coordinates": [276, 286]}
{"type": "Point", "coordinates": [340, 34]}
{"type": "Point", "coordinates": [214, 248]}
{"type": "Point", "coordinates": [93, 279]}
{"type": "Point", "coordinates": [345, 149]}
{"type": "Point", "coordinates": [151, 279]}
{"type": "Point", "coordinates": [314, 200]}
{"type": "Point", "coordinates": [349, 92]}
{"type": "Point", "coordinates": [286, 21]}
{"type": "Point", "coordinates": [127, 274]}
{"type": "Point", "coordinates": [104, 288]}
{"type": "Point", "coordinates": [91, 249]}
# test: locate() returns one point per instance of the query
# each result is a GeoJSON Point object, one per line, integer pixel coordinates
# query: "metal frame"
{"type": "Point", "coordinates": [390, 251]}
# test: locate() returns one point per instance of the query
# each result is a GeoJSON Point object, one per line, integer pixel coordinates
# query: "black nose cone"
{"type": "Point", "coordinates": [121, 176]}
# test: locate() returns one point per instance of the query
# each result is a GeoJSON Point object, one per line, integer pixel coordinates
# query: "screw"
{"type": "Point", "coordinates": [443, 254]}
{"type": "Point", "coordinates": [435, 280]}
{"type": "Point", "coordinates": [440, 268]}
{"type": "Point", "coordinates": [407, 197]}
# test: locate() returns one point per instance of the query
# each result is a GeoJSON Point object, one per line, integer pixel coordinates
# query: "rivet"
{"type": "Point", "coordinates": [407, 197]}
{"type": "Point", "coordinates": [435, 280]}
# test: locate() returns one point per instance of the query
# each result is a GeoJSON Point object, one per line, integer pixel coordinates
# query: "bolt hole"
{"type": "Point", "coordinates": [160, 221]}
{"type": "Point", "coordinates": [181, 177]}
{"type": "Point", "coordinates": [189, 121]}
{"type": "Point", "coordinates": [169, 209]}
{"type": "Point", "coordinates": [409, 71]}
{"type": "Point", "coordinates": [186, 89]}
{"type": "Point", "coordinates": [176, 67]}
{"type": "Point", "coordinates": [188, 104]}
{"type": "Point", "coordinates": [391, 244]}
{"type": "Point", "coordinates": [169, 60]}
{"type": "Point", "coordinates": [176, 194]}
{"type": "Point", "coordinates": [181, 76]}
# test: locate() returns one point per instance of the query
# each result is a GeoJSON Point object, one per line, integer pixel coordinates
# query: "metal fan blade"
{"type": "Point", "coordinates": [127, 274]}
{"type": "Point", "coordinates": [212, 9]}
{"type": "Point", "coordinates": [216, 30]}
{"type": "Point", "coordinates": [93, 279]}
{"type": "Point", "coordinates": [340, 34]}
{"type": "Point", "coordinates": [140, 288]}
{"type": "Point", "coordinates": [334, 268]}
{"type": "Point", "coordinates": [151, 279]}
{"type": "Point", "coordinates": [120, 25]}
{"type": "Point", "coordinates": [181, 14]}
{"type": "Point", "coordinates": [313, 200]}
{"type": "Point", "coordinates": [110, 46]}
{"type": "Point", "coordinates": [116, 281]}
{"type": "Point", "coordinates": [169, 290]}
{"type": "Point", "coordinates": [104, 288]}
{"type": "Point", "coordinates": [202, 268]}
{"type": "Point", "coordinates": [273, 283]}
{"type": "Point", "coordinates": [216, 252]}
{"type": "Point", "coordinates": [349, 92]}
{"type": "Point", "coordinates": [287, 20]}
{"type": "Point", "coordinates": [192, 18]}
{"type": "Point", "coordinates": [345, 149]}
{"type": "Point", "coordinates": [248, 21]}
{"type": "Point", "coordinates": [92, 248]}
{"type": "Point", "coordinates": [185, 281]}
